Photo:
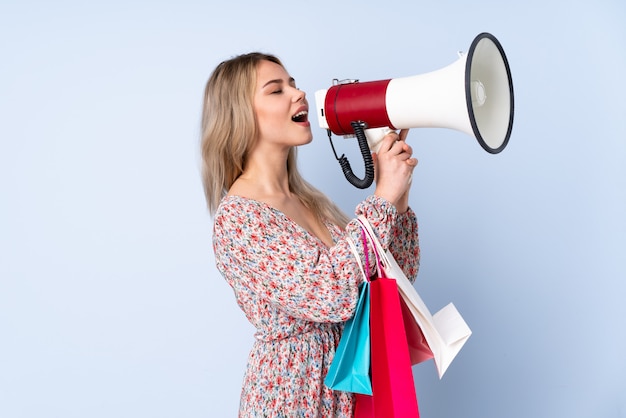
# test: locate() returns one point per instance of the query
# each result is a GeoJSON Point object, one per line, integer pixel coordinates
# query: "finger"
{"type": "Point", "coordinates": [375, 162]}
{"type": "Point", "coordinates": [401, 147]}
{"type": "Point", "coordinates": [388, 142]}
{"type": "Point", "coordinates": [411, 162]}
{"type": "Point", "coordinates": [403, 134]}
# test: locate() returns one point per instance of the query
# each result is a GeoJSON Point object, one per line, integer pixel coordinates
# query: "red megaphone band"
{"type": "Point", "coordinates": [356, 102]}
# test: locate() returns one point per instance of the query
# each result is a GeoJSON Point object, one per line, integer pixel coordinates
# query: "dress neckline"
{"type": "Point", "coordinates": [329, 225]}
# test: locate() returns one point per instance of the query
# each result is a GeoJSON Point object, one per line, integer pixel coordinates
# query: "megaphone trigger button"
{"type": "Point", "coordinates": [345, 81]}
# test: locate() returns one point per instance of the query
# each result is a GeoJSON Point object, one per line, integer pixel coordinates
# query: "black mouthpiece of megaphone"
{"type": "Point", "coordinates": [473, 95]}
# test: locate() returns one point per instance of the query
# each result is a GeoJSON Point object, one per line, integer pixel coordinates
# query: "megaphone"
{"type": "Point", "coordinates": [473, 95]}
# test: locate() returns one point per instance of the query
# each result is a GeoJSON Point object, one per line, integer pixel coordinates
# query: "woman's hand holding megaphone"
{"type": "Point", "coordinates": [394, 165]}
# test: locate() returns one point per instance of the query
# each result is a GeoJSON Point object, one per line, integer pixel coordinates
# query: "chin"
{"type": "Point", "coordinates": [305, 138]}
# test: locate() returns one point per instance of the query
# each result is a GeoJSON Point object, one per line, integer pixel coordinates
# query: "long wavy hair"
{"type": "Point", "coordinates": [229, 131]}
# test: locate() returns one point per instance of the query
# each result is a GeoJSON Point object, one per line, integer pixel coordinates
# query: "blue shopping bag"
{"type": "Point", "coordinates": [350, 368]}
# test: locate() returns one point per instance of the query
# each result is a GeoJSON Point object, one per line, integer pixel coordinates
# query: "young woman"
{"type": "Point", "coordinates": [281, 244]}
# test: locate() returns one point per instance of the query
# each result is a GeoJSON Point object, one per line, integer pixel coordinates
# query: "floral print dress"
{"type": "Point", "coordinates": [298, 292]}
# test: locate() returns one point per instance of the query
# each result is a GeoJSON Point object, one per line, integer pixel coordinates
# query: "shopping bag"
{"type": "Point", "coordinates": [393, 389]}
{"type": "Point", "coordinates": [445, 332]}
{"type": "Point", "coordinates": [350, 368]}
{"type": "Point", "coordinates": [419, 351]}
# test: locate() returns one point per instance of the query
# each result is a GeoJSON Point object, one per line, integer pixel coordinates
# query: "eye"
{"type": "Point", "coordinates": [279, 91]}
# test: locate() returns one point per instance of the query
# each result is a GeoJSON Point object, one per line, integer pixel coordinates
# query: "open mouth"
{"type": "Point", "coordinates": [302, 116]}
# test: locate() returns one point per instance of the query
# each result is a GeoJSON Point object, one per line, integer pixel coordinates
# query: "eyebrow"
{"type": "Point", "coordinates": [279, 81]}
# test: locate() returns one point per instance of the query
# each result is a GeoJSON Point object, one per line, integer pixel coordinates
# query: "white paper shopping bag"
{"type": "Point", "coordinates": [445, 332]}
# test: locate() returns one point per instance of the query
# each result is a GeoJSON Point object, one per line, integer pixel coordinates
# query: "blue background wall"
{"type": "Point", "coordinates": [110, 304]}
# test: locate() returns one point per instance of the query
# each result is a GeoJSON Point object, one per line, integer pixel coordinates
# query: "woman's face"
{"type": "Point", "coordinates": [281, 109]}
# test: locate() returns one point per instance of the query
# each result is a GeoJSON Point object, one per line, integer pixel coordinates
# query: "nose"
{"type": "Point", "coordinates": [299, 95]}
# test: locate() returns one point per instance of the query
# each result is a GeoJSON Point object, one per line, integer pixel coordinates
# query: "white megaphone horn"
{"type": "Point", "coordinates": [474, 95]}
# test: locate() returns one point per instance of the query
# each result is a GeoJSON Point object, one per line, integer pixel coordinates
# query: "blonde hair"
{"type": "Point", "coordinates": [229, 130]}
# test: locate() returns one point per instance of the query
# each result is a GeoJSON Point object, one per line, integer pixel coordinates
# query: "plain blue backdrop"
{"type": "Point", "coordinates": [110, 303]}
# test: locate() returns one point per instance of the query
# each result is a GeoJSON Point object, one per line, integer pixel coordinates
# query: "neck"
{"type": "Point", "coordinates": [268, 172]}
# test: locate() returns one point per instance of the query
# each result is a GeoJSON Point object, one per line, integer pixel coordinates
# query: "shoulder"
{"type": "Point", "coordinates": [238, 212]}
{"type": "Point", "coordinates": [235, 219]}
{"type": "Point", "coordinates": [232, 202]}
{"type": "Point", "coordinates": [238, 207]}
{"type": "Point", "coordinates": [242, 223]}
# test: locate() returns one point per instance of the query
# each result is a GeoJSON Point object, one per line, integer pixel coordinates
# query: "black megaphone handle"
{"type": "Point", "coordinates": [366, 181]}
